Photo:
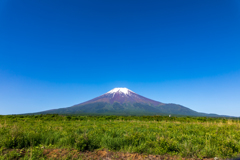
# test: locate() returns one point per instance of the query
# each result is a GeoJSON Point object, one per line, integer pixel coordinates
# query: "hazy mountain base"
{"type": "Point", "coordinates": [101, 108]}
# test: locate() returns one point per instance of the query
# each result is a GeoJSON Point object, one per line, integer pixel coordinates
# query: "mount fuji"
{"type": "Point", "coordinates": [122, 101]}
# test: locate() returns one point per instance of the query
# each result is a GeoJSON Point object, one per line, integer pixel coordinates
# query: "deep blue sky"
{"type": "Point", "coordinates": [58, 53]}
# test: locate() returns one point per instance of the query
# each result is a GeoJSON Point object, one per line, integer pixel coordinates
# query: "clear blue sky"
{"type": "Point", "coordinates": [57, 53]}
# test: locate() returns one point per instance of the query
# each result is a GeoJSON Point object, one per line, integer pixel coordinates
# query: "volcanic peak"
{"type": "Point", "coordinates": [120, 90]}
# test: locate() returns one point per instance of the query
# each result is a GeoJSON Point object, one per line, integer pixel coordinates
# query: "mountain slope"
{"type": "Point", "coordinates": [122, 101]}
{"type": "Point", "coordinates": [122, 95]}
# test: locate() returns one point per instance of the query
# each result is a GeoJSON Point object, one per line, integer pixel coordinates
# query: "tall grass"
{"type": "Point", "coordinates": [186, 139]}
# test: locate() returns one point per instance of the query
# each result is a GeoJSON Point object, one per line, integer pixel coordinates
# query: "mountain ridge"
{"type": "Point", "coordinates": [122, 101]}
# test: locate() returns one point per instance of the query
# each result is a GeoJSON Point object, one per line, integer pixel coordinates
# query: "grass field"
{"type": "Point", "coordinates": [34, 137]}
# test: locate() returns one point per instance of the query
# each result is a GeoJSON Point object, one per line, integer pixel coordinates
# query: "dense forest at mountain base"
{"type": "Point", "coordinates": [162, 137]}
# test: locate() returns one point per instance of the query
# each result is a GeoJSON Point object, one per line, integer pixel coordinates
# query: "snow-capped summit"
{"type": "Point", "coordinates": [123, 95]}
{"type": "Point", "coordinates": [120, 90]}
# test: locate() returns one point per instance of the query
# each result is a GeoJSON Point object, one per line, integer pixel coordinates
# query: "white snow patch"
{"type": "Point", "coordinates": [121, 90]}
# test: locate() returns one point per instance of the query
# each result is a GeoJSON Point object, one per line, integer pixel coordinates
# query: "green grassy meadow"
{"type": "Point", "coordinates": [189, 137]}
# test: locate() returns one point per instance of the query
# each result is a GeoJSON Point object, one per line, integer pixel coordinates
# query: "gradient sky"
{"type": "Point", "coordinates": [58, 53]}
